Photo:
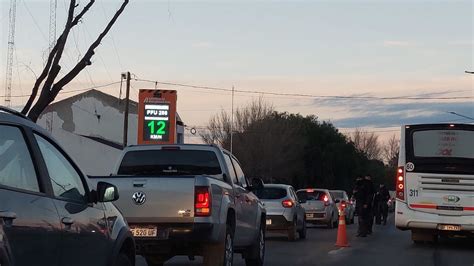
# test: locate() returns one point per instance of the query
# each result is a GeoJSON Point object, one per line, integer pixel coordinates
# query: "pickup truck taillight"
{"type": "Point", "coordinates": [202, 202]}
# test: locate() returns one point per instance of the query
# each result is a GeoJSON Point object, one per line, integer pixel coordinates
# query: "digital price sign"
{"type": "Point", "coordinates": [157, 117]}
{"type": "Point", "coordinates": [157, 122]}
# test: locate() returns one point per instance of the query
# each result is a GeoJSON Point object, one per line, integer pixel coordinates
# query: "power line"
{"type": "Point", "coordinates": [71, 91]}
{"type": "Point", "coordinates": [302, 95]}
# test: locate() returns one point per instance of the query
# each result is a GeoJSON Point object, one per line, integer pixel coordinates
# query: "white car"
{"type": "Point", "coordinates": [341, 198]}
{"type": "Point", "coordinates": [320, 206]}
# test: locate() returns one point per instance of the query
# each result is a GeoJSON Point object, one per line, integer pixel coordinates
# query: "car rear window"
{"type": "Point", "coordinates": [311, 195]}
{"type": "Point", "coordinates": [337, 194]}
{"type": "Point", "coordinates": [170, 162]}
{"type": "Point", "coordinates": [270, 193]}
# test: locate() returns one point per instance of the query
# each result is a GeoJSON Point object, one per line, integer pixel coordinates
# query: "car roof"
{"type": "Point", "coordinates": [11, 116]}
{"type": "Point", "coordinates": [277, 186]}
{"type": "Point", "coordinates": [337, 190]}
{"type": "Point", "coordinates": [315, 189]}
{"type": "Point", "coordinates": [146, 147]}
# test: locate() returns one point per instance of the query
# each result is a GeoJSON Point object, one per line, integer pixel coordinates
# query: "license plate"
{"type": "Point", "coordinates": [144, 231]}
{"type": "Point", "coordinates": [310, 215]}
{"type": "Point", "coordinates": [448, 227]}
{"type": "Point", "coordinates": [269, 221]}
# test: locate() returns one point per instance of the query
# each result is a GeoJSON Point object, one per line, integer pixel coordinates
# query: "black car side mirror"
{"type": "Point", "coordinates": [337, 201]}
{"type": "Point", "coordinates": [257, 184]}
{"type": "Point", "coordinates": [107, 192]}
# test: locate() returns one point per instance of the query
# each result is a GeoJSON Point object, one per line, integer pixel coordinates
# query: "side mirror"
{"type": "Point", "coordinates": [337, 201]}
{"type": "Point", "coordinates": [257, 184]}
{"type": "Point", "coordinates": [107, 192]}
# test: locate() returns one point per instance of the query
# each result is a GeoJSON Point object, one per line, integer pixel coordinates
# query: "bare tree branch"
{"type": "Point", "coordinates": [50, 91]}
{"type": "Point", "coordinates": [80, 15]}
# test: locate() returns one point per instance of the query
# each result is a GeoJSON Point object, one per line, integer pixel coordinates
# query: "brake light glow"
{"type": "Point", "coordinates": [202, 201]}
{"type": "Point", "coordinates": [310, 190]}
{"type": "Point", "coordinates": [400, 183]}
{"type": "Point", "coordinates": [287, 203]}
{"type": "Point", "coordinates": [326, 200]}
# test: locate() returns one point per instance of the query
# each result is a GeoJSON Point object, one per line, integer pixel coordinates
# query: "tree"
{"type": "Point", "coordinates": [367, 143]}
{"type": "Point", "coordinates": [219, 127]}
{"type": "Point", "coordinates": [390, 151]}
{"type": "Point", "coordinates": [48, 80]}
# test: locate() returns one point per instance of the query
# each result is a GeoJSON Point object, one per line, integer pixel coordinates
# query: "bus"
{"type": "Point", "coordinates": [435, 181]}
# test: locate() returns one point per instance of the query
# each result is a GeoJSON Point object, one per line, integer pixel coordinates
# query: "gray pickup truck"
{"type": "Point", "coordinates": [191, 200]}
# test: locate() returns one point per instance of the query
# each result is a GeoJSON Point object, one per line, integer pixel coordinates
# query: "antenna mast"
{"type": "Point", "coordinates": [11, 45]}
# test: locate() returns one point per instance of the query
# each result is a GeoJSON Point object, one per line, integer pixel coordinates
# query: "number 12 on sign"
{"type": "Point", "coordinates": [160, 127]}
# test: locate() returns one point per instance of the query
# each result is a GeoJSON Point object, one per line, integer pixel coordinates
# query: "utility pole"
{"type": "Point", "coordinates": [125, 116]}
{"type": "Point", "coordinates": [232, 123]}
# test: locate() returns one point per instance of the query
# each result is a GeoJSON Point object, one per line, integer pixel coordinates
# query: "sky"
{"type": "Point", "coordinates": [341, 48]}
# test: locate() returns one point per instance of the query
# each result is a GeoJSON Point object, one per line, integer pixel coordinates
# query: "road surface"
{"type": "Point", "coordinates": [387, 246]}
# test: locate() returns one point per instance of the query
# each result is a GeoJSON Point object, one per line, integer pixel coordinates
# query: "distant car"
{"type": "Point", "coordinates": [284, 210]}
{"type": "Point", "coordinates": [49, 213]}
{"type": "Point", "coordinates": [341, 198]}
{"type": "Point", "coordinates": [320, 206]}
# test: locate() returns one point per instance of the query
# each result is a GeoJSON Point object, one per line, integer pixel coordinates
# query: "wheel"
{"type": "Point", "coordinates": [336, 222]}
{"type": "Point", "coordinates": [155, 261]}
{"type": "Point", "coordinates": [123, 260]}
{"type": "Point", "coordinates": [293, 230]}
{"type": "Point", "coordinates": [302, 232]}
{"type": "Point", "coordinates": [222, 253]}
{"type": "Point", "coordinates": [256, 252]}
{"type": "Point", "coordinates": [330, 223]}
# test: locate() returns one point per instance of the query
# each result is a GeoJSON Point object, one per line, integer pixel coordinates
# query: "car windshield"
{"type": "Point", "coordinates": [271, 193]}
{"type": "Point", "coordinates": [170, 162]}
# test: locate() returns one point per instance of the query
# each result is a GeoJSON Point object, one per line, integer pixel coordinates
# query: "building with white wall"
{"type": "Point", "coordinates": [90, 128]}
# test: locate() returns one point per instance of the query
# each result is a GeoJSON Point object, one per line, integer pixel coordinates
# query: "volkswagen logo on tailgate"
{"type": "Point", "coordinates": [139, 198]}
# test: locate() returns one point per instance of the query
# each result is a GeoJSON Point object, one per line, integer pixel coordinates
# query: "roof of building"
{"type": "Point", "coordinates": [108, 99]}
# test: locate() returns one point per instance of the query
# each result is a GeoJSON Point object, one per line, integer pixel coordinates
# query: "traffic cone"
{"type": "Point", "coordinates": [341, 230]}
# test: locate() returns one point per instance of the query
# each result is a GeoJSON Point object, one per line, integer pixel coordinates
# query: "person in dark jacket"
{"type": "Point", "coordinates": [360, 195]}
{"type": "Point", "coordinates": [369, 203]}
{"type": "Point", "coordinates": [377, 208]}
{"type": "Point", "coordinates": [384, 198]}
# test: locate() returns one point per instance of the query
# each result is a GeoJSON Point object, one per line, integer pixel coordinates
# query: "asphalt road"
{"type": "Point", "coordinates": [387, 246]}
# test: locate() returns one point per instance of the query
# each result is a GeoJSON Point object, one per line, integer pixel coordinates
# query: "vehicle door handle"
{"type": "Point", "coordinates": [67, 221]}
{"type": "Point", "coordinates": [7, 215]}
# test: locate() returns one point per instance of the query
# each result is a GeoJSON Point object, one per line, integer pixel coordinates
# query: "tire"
{"type": "Point", "coordinates": [330, 224]}
{"type": "Point", "coordinates": [123, 260]}
{"type": "Point", "coordinates": [293, 230]}
{"type": "Point", "coordinates": [221, 254]}
{"type": "Point", "coordinates": [302, 232]}
{"type": "Point", "coordinates": [256, 252]}
{"type": "Point", "coordinates": [155, 261]}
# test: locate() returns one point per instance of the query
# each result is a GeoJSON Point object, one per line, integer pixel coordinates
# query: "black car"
{"type": "Point", "coordinates": [48, 214]}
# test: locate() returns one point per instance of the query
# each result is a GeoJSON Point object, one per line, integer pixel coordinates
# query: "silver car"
{"type": "Point", "coordinates": [284, 211]}
{"type": "Point", "coordinates": [341, 198]}
{"type": "Point", "coordinates": [320, 206]}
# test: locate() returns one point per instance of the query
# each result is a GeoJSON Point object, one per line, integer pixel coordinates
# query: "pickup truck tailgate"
{"type": "Point", "coordinates": [156, 199]}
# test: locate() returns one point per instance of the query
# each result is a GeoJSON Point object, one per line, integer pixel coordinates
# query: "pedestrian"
{"type": "Point", "coordinates": [360, 194]}
{"type": "Point", "coordinates": [370, 193]}
{"type": "Point", "coordinates": [377, 208]}
{"type": "Point", "coordinates": [384, 198]}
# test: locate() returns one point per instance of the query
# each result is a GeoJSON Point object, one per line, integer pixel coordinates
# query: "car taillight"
{"type": "Point", "coordinates": [202, 201]}
{"type": "Point", "coordinates": [400, 183]}
{"type": "Point", "coordinates": [326, 200]}
{"type": "Point", "coordinates": [287, 203]}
